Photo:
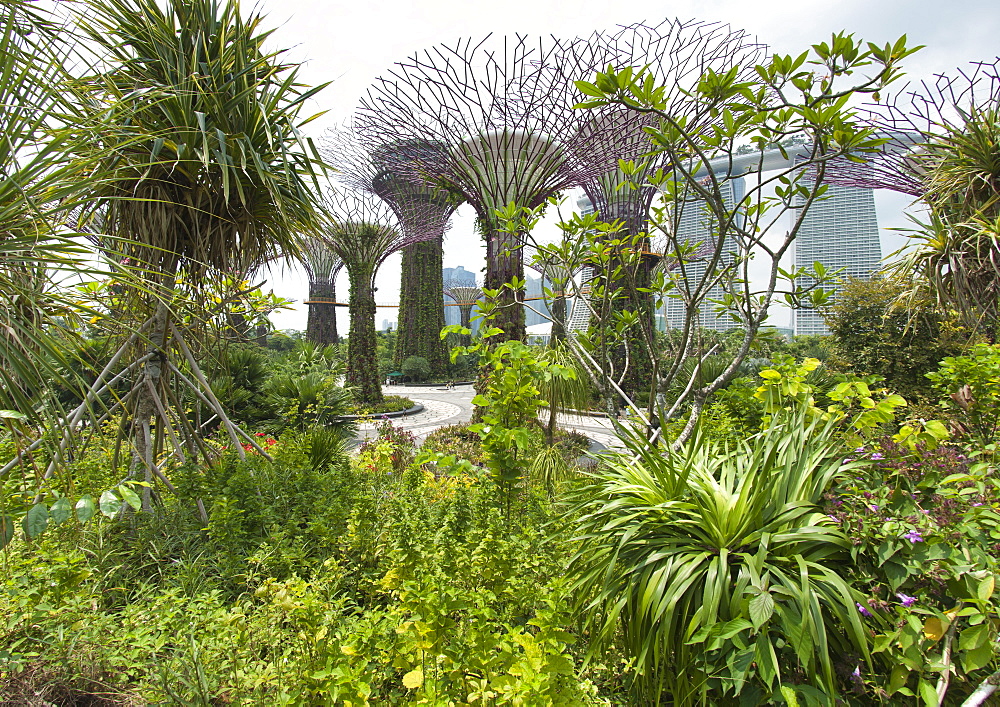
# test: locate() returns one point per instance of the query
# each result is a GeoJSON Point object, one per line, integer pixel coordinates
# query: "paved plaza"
{"type": "Point", "coordinates": [443, 407]}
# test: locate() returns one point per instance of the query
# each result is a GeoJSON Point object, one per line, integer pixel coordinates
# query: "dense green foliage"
{"type": "Point", "coordinates": [367, 580]}
{"type": "Point", "coordinates": [781, 536]}
{"type": "Point", "coordinates": [872, 333]}
{"type": "Point", "coordinates": [416, 368]}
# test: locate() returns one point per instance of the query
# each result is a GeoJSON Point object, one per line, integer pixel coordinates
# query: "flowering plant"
{"type": "Point", "coordinates": [925, 534]}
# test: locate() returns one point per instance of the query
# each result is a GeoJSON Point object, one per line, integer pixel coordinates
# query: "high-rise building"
{"type": "Point", "coordinates": [459, 276]}
{"type": "Point", "coordinates": [841, 232]}
{"type": "Point", "coordinates": [534, 298]}
{"type": "Point", "coordinates": [695, 226]}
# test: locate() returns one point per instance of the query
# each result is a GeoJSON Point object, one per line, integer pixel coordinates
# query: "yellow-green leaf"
{"type": "Point", "coordinates": [986, 588]}
{"type": "Point", "coordinates": [934, 628]}
{"type": "Point", "coordinates": [413, 679]}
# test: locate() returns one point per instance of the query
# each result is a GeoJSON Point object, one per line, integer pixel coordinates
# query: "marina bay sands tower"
{"type": "Point", "coordinates": [840, 231]}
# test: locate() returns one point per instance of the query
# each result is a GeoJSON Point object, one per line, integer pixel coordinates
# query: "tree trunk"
{"type": "Point", "coordinates": [504, 262]}
{"type": "Point", "coordinates": [144, 410]}
{"type": "Point", "coordinates": [421, 314]}
{"type": "Point", "coordinates": [558, 318]}
{"type": "Point", "coordinates": [321, 327]}
{"type": "Point", "coordinates": [465, 312]}
{"type": "Point", "coordinates": [362, 343]}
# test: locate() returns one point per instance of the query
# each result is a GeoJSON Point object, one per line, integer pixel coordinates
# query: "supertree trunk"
{"type": "Point", "coordinates": [421, 314]}
{"type": "Point", "coordinates": [362, 343]}
{"type": "Point", "coordinates": [321, 327]}
{"type": "Point", "coordinates": [465, 314]}
{"type": "Point", "coordinates": [504, 263]}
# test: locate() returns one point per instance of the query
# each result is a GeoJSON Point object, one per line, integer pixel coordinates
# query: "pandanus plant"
{"type": "Point", "coordinates": [205, 171]}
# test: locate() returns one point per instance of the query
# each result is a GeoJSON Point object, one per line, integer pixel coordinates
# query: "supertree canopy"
{"type": "Point", "coordinates": [465, 296]}
{"type": "Point", "coordinates": [508, 128]}
{"type": "Point", "coordinates": [363, 231]}
{"type": "Point", "coordinates": [321, 264]}
{"type": "Point", "coordinates": [421, 208]}
{"type": "Point", "coordinates": [676, 54]}
{"type": "Point", "coordinates": [919, 125]}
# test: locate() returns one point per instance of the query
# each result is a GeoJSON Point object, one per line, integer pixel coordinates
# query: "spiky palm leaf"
{"type": "Point", "coordinates": [210, 169]}
{"type": "Point", "coordinates": [39, 183]}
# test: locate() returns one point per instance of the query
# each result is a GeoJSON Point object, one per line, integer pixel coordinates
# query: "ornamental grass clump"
{"type": "Point", "coordinates": [714, 569]}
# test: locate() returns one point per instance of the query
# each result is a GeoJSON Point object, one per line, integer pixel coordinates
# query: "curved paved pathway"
{"type": "Point", "coordinates": [444, 407]}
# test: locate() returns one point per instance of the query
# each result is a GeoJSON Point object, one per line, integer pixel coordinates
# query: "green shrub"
{"type": "Point", "coordinates": [390, 403]}
{"type": "Point", "coordinates": [416, 368]}
{"type": "Point", "coordinates": [924, 529]}
{"type": "Point", "coordinates": [714, 566]}
{"type": "Point", "coordinates": [972, 386]}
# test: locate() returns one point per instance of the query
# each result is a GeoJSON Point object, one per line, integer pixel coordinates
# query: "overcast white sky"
{"type": "Point", "coordinates": [350, 44]}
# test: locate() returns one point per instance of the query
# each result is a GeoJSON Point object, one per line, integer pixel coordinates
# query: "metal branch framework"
{"type": "Point", "coordinates": [506, 121]}
{"type": "Point", "coordinates": [915, 122]}
{"type": "Point", "coordinates": [676, 53]}
{"type": "Point", "coordinates": [321, 264]}
{"type": "Point", "coordinates": [420, 207]}
{"type": "Point", "coordinates": [944, 148]}
{"type": "Point", "coordinates": [363, 231]}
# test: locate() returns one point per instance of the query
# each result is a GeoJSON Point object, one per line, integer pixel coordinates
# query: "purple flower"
{"type": "Point", "coordinates": [867, 494]}
{"type": "Point", "coordinates": [848, 461]}
{"type": "Point", "coordinates": [906, 600]}
{"type": "Point", "coordinates": [863, 610]}
{"type": "Point", "coordinates": [976, 504]}
{"type": "Point", "coordinates": [876, 456]}
{"type": "Point", "coordinates": [914, 536]}
{"type": "Point", "coordinates": [860, 450]}
{"type": "Point", "coordinates": [873, 507]}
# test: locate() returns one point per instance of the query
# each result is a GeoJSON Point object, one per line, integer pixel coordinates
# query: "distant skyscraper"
{"type": "Point", "coordinates": [534, 296]}
{"type": "Point", "coordinates": [839, 231]}
{"type": "Point", "coordinates": [459, 276]}
{"type": "Point", "coordinates": [695, 226]}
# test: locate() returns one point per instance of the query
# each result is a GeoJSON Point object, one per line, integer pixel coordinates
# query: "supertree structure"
{"type": "Point", "coordinates": [363, 231]}
{"type": "Point", "coordinates": [321, 264]}
{"type": "Point", "coordinates": [465, 296]}
{"type": "Point", "coordinates": [559, 276]}
{"type": "Point", "coordinates": [676, 54]}
{"type": "Point", "coordinates": [917, 123]}
{"type": "Point", "coordinates": [420, 208]}
{"type": "Point", "coordinates": [508, 128]}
